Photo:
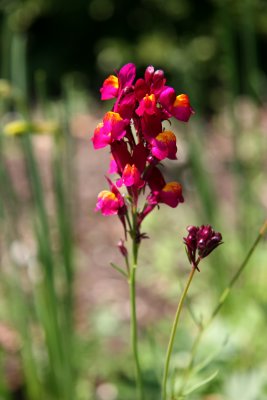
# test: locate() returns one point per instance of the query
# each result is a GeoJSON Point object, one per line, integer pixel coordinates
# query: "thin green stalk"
{"type": "Point", "coordinates": [222, 300]}
{"type": "Point", "coordinates": [134, 337]}
{"type": "Point", "coordinates": [242, 266]}
{"type": "Point", "coordinates": [173, 332]}
{"type": "Point", "coordinates": [134, 334]}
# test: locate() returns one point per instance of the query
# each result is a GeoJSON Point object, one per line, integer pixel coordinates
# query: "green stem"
{"type": "Point", "coordinates": [134, 337]}
{"type": "Point", "coordinates": [134, 334]}
{"type": "Point", "coordinates": [242, 266]}
{"type": "Point", "coordinates": [173, 332]}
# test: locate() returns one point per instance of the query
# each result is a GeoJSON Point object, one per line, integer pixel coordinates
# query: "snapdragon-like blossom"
{"type": "Point", "coordinates": [138, 141]}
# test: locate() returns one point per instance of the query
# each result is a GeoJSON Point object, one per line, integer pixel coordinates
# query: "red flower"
{"type": "Point", "coordinates": [170, 194]}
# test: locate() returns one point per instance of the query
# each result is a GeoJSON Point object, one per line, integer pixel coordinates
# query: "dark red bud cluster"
{"type": "Point", "coordinates": [200, 242]}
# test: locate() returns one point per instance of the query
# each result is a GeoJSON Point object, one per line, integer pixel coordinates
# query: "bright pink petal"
{"type": "Point", "coordinates": [181, 108]}
{"type": "Point", "coordinates": [112, 128]}
{"type": "Point", "coordinates": [107, 203]}
{"type": "Point", "coordinates": [110, 88]}
{"type": "Point", "coordinates": [101, 138]}
{"type": "Point", "coordinates": [130, 177]}
{"type": "Point", "coordinates": [177, 106]}
{"type": "Point", "coordinates": [115, 125]}
{"type": "Point", "coordinates": [159, 149]}
{"type": "Point", "coordinates": [113, 168]}
{"type": "Point", "coordinates": [164, 146]}
{"type": "Point", "coordinates": [167, 97]}
{"type": "Point", "coordinates": [126, 75]}
{"type": "Point", "coordinates": [147, 105]}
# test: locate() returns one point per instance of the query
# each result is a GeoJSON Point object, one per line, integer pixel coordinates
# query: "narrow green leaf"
{"type": "Point", "coordinates": [120, 270]}
{"type": "Point", "coordinates": [201, 383]}
{"type": "Point", "coordinates": [209, 359]}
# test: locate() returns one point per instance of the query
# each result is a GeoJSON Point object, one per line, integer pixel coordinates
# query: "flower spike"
{"type": "Point", "coordinates": [138, 142]}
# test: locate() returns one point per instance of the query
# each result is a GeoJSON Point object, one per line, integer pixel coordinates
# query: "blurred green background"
{"type": "Point", "coordinates": [64, 313]}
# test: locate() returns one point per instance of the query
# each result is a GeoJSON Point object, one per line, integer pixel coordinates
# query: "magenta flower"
{"type": "Point", "coordinates": [110, 88]}
{"type": "Point", "coordinates": [114, 85]}
{"type": "Point", "coordinates": [112, 128]}
{"type": "Point", "coordinates": [131, 177]}
{"type": "Point", "coordinates": [147, 105]}
{"type": "Point", "coordinates": [111, 202]}
{"type": "Point", "coordinates": [178, 106]}
{"type": "Point", "coordinates": [108, 202]}
{"type": "Point", "coordinates": [164, 146]}
{"type": "Point", "coordinates": [201, 241]}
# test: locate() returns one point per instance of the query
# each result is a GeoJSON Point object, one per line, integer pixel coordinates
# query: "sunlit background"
{"type": "Point", "coordinates": [64, 312]}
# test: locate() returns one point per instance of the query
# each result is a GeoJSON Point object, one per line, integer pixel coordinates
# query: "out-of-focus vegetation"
{"type": "Point", "coordinates": [62, 338]}
{"type": "Point", "coordinates": [208, 48]}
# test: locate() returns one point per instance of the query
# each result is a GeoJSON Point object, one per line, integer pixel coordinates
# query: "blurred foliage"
{"type": "Point", "coordinates": [208, 48]}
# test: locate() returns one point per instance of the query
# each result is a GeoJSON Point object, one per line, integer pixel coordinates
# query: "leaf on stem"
{"type": "Point", "coordinates": [120, 270]}
{"type": "Point", "coordinates": [201, 383]}
{"type": "Point", "coordinates": [204, 363]}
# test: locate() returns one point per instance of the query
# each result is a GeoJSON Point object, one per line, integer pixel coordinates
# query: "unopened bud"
{"type": "Point", "coordinates": [122, 248]}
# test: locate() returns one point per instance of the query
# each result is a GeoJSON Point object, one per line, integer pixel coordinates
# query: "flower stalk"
{"type": "Point", "coordinates": [134, 324]}
{"type": "Point", "coordinates": [199, 243]}
{"type": "Point", "coordinates": [138, 141]}
{"type": "Point", "coordinates": [173, 332]}
{"type": "Point", "coordinates": [134, 333]}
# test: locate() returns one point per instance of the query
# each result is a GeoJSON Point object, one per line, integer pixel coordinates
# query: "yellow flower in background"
{"type": "Point", "coordinates": [20, 127]}
{"type": "Point", "coordinates": [48, 127]}
{"type": "Point", "coordinates": [5, 88]}
{"type": "Point", "coordinates": [15, 128]}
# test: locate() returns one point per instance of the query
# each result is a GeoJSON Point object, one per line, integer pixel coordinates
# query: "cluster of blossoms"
{"type": "Point", "coordinates": [138, 142]}
{"type": "Point", "coordinates": [200, 242]}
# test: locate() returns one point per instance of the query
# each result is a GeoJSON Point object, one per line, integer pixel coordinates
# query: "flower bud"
{"type": "Point", "coordinates": [122, 248]}
{"type": "Point", "coordinates": [201, 241]}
